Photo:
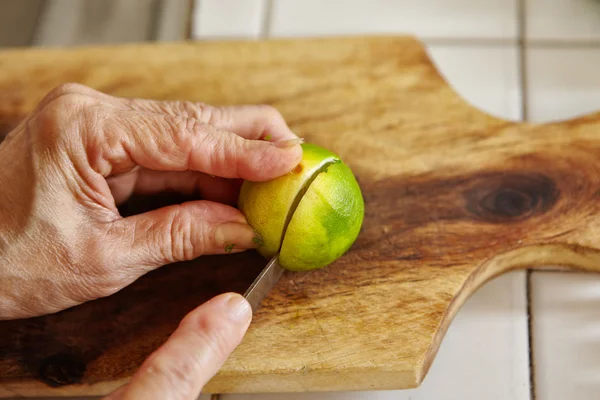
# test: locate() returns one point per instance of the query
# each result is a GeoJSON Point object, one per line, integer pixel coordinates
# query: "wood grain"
{"type": "Point", "coordinates": [454, 197]}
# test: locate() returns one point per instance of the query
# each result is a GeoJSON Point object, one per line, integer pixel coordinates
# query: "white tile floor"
{"type": "Point", "coordinates": [564, 83]}
{"type": "Point", "coordinates": [425, 18]}
{"type": "Point", "coordinates": [218, 19]}
{"type": "Point", "coordinates": [485, 354]}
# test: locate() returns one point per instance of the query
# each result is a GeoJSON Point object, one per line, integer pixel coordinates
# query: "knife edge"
{"type": "Point", "coordinates": [264, 282]}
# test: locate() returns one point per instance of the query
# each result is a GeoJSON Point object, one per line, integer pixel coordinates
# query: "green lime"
{"type": "Point", "coordinates": [312, 215]}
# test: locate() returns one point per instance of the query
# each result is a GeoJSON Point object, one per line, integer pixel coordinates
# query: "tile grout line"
{"type": "Point", "coordinates": [541, 43]}
{"type": "Point", "coordinates": [38, 20]}
{"type": "Point", "coordinates": [528, 289]}
{"type": "Point", "coordinates": [189, 22]}
{"type": "Point", "coordinates": [265, 32]}
{"type": "Point", "coordinates": [523, 75]}
{"type": "Point", "coordinates": [194, 23]}
{"type": "Point", "coordinates": [562, 44]}
{"type": "Point", "coordinates": [152, 29]}
{"type": "Point", "coordinates": [265, 28]}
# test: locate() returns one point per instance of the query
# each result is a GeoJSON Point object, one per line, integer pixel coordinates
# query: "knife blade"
{"type": "Point", "coordinates": [264, 282]}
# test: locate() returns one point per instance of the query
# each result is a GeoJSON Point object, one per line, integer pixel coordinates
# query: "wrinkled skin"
{"type": "Point", "coordinates": [81, 153]}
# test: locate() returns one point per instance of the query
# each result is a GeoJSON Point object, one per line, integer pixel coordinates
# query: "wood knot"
{"type": "Point", "coordinates": [508, 197]}
{"type": "Point", "coordinates": [61, 369]}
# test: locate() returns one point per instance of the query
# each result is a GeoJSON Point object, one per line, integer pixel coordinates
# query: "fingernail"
{"type": "Point", "coordinates": [289, 142]}
{"type": "Point", "coordinates": [234, 237]}
{"type": "Point", "coordinates": [238, 308]}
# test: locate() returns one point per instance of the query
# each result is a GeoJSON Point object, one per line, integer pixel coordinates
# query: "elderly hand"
{"type": "Point", "coordinates": [77, 156]}
{"type": "Point", "coordinates": [80, 153]}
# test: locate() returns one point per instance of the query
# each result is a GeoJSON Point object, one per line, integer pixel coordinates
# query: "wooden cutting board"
{"type": "Point", "coordinates": [454, 197]}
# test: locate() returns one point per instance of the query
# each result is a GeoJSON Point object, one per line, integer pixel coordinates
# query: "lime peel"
{"type": "Point", "coordinates": [310, 216]}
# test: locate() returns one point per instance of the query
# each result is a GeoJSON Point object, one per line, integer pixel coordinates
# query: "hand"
{"type": "Point", "coordinates": [193, 354]}
{"type": "Point", "coordinates": [80, 153]}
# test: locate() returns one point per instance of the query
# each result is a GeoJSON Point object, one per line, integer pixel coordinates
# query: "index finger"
{"type": "Point", "coordinates": [174, 143]}
{"type": "Point", "coordinates": [249, 121]}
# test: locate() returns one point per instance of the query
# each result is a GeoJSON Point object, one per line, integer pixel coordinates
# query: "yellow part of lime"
{"type": "Point", "coordinates": [311, 215]}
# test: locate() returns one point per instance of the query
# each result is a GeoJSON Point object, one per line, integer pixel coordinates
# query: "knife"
{"type": "Point", "coordinates": [264, 282]}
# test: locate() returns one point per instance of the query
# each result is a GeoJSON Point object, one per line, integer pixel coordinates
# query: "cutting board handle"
{"type": "Point", "coordinates": [463, 196]}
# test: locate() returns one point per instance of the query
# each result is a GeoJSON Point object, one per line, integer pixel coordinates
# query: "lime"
{"type": "Point", "coordinates": [311, 215]}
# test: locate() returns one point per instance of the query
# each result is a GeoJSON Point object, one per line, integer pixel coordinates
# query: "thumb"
{"type": "Point", "coordinates": [181, 367]}
{"type": "Point", "coordinates": [180, 232]}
